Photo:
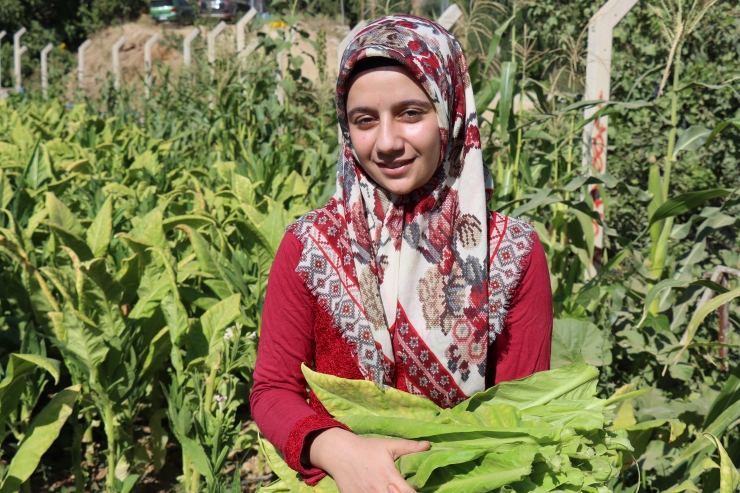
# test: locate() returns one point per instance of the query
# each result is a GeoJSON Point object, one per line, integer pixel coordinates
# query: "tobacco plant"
{"type": "Point", "coordinates": [137, 237]}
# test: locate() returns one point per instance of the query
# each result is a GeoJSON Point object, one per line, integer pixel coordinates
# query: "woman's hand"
{"type": "Point", "coordinates": [358, 464]}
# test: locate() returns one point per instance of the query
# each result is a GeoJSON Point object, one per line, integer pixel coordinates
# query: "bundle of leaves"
{"type": "Point", "coordinates": [546, 432]}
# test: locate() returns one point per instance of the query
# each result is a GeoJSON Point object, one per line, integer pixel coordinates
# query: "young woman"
{"type": "Point", "coordinates": [405, 277]}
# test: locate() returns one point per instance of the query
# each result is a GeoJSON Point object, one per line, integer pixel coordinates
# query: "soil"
{"type": "Point", "coordinates": [168, 49]}
{"type": "Point", "coordinates": [55, 474]}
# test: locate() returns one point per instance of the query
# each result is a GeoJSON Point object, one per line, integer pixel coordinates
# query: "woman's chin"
{"type": "Point", "coordinates": [400, 188]}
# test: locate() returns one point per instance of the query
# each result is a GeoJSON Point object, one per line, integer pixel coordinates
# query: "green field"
{"type": "Point", "coordinates": [136, 238]}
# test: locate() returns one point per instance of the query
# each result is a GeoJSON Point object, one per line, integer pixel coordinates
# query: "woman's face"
{"type": "Point", "coordinates": [393, 128]}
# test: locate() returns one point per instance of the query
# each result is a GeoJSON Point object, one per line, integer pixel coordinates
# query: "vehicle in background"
{"type": "Point", "coordinates": [177, 11]}
{"type": "Point", "coordinates": [223, 9]}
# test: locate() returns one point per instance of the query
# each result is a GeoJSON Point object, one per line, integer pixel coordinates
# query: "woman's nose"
{"type": "Point", "coordinates": [389, 140]}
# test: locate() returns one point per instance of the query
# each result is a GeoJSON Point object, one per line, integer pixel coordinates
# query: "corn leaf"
{"type": "Point", "coordinates": [729, 478]}
{"type": "Point", "coordinates": [692, 139]}
{"type": "Point", "coordinates": [684, 203]}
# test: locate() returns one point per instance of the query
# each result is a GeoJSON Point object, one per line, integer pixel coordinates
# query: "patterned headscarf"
{"type": "Point", "coordinates": [406, 278]}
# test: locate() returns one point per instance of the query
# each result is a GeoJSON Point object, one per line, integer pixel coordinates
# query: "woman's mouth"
{"type": "Point", "coordinates": [396, 165]}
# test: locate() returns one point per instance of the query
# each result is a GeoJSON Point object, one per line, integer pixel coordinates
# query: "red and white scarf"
{"type": "Point", "coordinates": [421, 280]}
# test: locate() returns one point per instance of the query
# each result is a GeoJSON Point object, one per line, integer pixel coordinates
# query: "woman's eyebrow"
{"type": "Point", "coordinates": [359, 109]}
{"type": "Point", "coordinates": [413, 102]}
{"type": "Point", "coordinates": [400, 104]}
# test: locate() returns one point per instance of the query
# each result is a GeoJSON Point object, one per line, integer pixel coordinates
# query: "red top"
{"type": "Point", "coordinates": [295, 330]}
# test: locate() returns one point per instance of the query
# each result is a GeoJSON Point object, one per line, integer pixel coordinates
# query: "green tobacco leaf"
{"type": "Point", "coordinates": [191, 220]}
{"type": "Point", "coordinates": [99, 232]}
{"type": "Point", "coordinates": [571, 337]}
{"type": "Point", "coordinates": [676, 426]}
{"type": "Point", "coordinates": [71, 240]}
{"type": "Point", "coordinates": [217, 318]}
{"type": "Point", "coordinates": [101, 294]}
{"type": "Point", "coordinates": [292, 480]}
{"type": "Point", "coordinates": [158, 439]}
{"type": "Point", "coordinates": [159, 349]}
{"type": "Point", "coordinates": [84, 342]}
{"type": "Point", "coordinates": [566, 416]}
{"type": "Point", "coordinates": [39, 168]}
{"type": "Point", "coordinates": [202, 251]}
{"type": "Point", "coordinates": [692, 139]}
{"type": "Point", "coordinates": [176, 317]}
{"type": "Point", "coordinates": [23, 364]}
{"type": "Point", "coordinates": [150, 230]}
{"type": "Point", "coordinates": [129, 483]}
{"type": "Point", "coordinates": [197, 455]}
{"type": "Point", "coordinates": [729, 478]}
{"type": "Point", "coordinates": [344, 397]}
{"type": "Point", "coordinates": [687, 485]}
{"type": "Point", "coordinates": [43, 432]}
{"type": "Point", "coordinates": [423, 464]}
{"type": "Point", "coordinates": [60, 215]}
{"type": "Point", "coordinates": [492, 472]}
{"type": "Point", "coordinates": [271, 225]}
{"type": "Point", "coordinates": [13, 384]}
{"type": "Point", "coordinates": [414, 429]}
{"type": "Point", "coordinates": [575, 381]}
{"type": "Point", "coordinates": [684, 203]}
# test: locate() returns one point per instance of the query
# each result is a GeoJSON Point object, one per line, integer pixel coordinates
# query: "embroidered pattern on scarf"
{"type": "Point", "coordinates": [423, 280]}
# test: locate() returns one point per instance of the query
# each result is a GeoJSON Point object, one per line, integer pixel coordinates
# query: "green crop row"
{"type": "Point", "coordinates": [136, 237]}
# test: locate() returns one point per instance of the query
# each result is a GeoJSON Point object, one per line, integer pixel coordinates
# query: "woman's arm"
{"type": "Point", "coordinates": [523, 347]}
{"type": "Point", "coordinates": [279, 398]}
{"type": "Point", "coordinates": [279, 395]}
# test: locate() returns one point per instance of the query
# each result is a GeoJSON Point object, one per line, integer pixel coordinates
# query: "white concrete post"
{"type": "Point", "coordinates": [81, 63]}
{"type": "Point", "coordinates": [282, 68]}
{"type": "Point", "coordinates": [212, 41]}
{"type": "Point", "coordinates": [115, 55]}
{"type": "Point", "coordinates": [2, 35]}
{"type": "Point", "coordinates": [240, 29]}
{"type": "Point", "coordinates": [340, 51]}
{"type": "Point", "coordinates": [598, 74]}
{"type": "Point", "coordinates": [449, 16]}
{"type": "Point", "coordinates": [347, 39]}
{"type": "Point", "coordinates": [45, 69]}
{"type": "Point", "coordinates": [148, 63]}
{"type": "Point", "coordinates": [186, 56]}
{"type": "Point", "coordinates": [18, 51]}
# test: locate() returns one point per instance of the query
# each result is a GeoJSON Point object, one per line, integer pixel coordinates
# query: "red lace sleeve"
{"type": "Point", "coordinates": [279, 398]}
{"type": "Point", "coordinates": [523, 347]}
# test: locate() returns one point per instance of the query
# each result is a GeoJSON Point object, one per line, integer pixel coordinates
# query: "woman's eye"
{"type": "Point", "coordinates": [412, 114]}
{"type": "Point", "coordinates": [363, 121]}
